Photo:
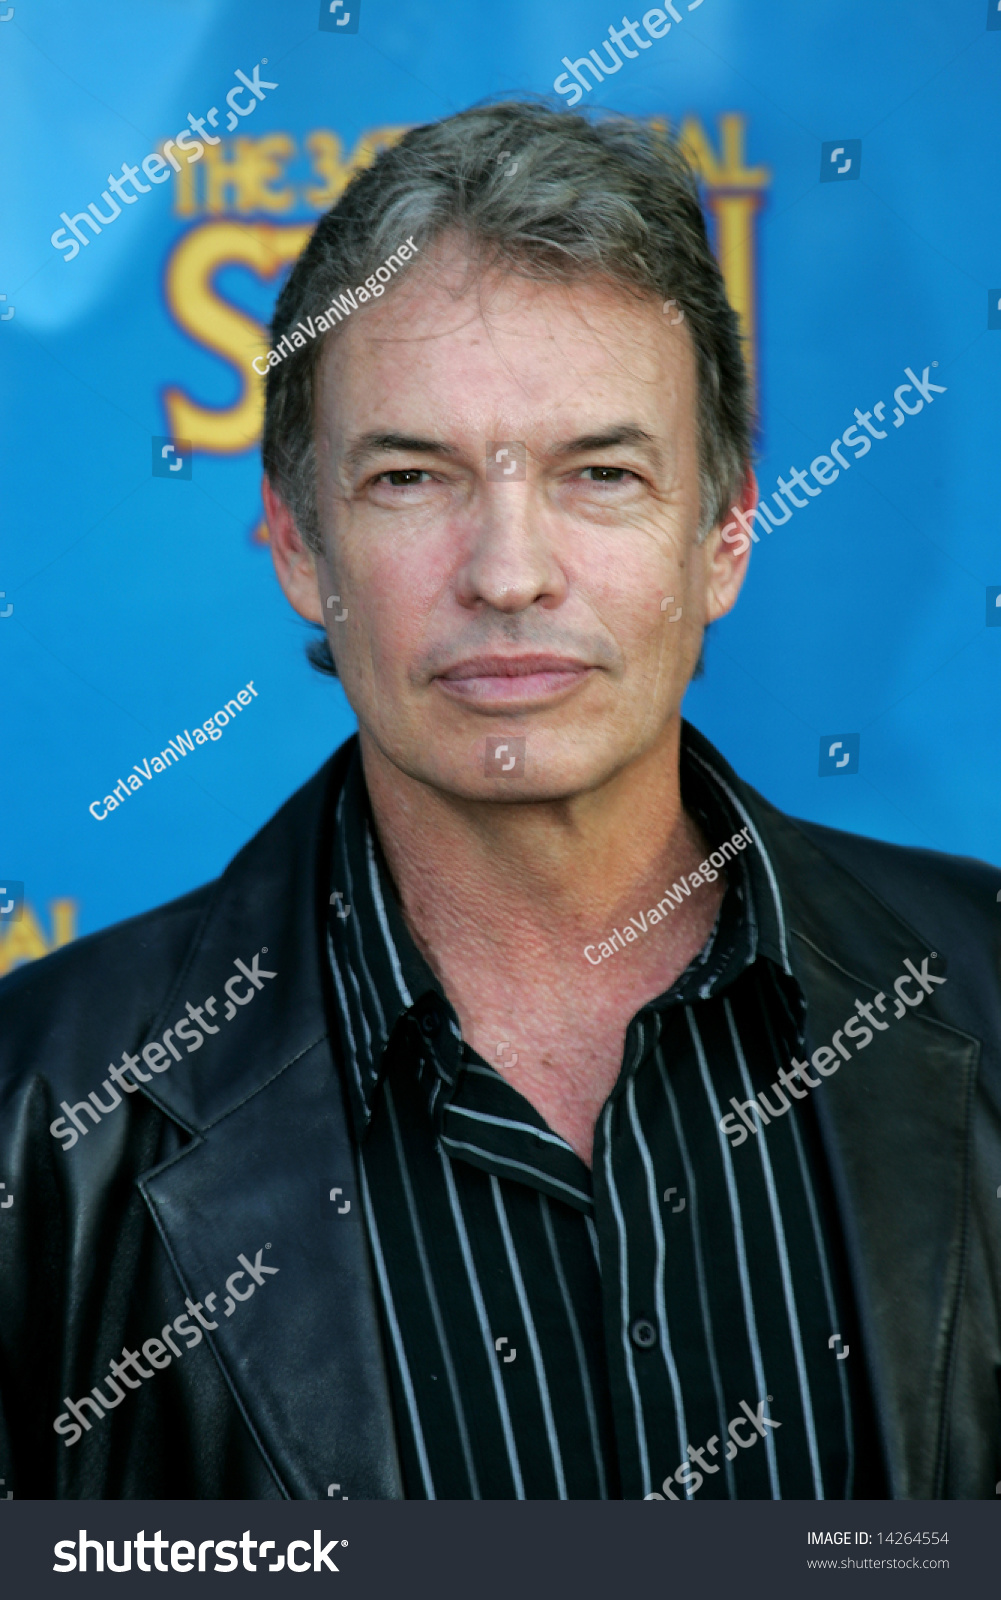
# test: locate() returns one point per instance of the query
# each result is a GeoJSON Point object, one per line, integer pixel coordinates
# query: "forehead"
{"type": "Point", "coordinates": [469, 342]}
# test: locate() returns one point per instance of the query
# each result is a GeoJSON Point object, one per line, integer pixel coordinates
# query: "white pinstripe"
{"type": "Point", "coordinates": [578, 1344]}
{"type": "Point", "coordinates": [394, 1328]}
{"type": "Point", "coordinates": [692, 1195]}
{"type": "Point", "coordinates": [508, 1161]}
{"type": "Point", "coordinates": [446, 1354]}
{"type": "Point", "coordinates": [533, 1338]}
{"type": "Point", "coordinates": [788, 1293]}
{"type": "Point", "coordinates": [342, 997]}
{"type": "Point", "coordinates": [666, 1349]}
{"type": "Point", "coordinates": [737, 1223]}
{"type": "Point", "coordinates": [829, 1298]}
{"type": "Point", "coordinates": [508, 1122]}
{"type": "Point", "coordinates": [481, 1314]}
{"type": "Point", "coordinates": [357, 938]}
{"type": "Point", "coordinates": [766, 859]}
{"type": "Point", "coordinates": [627, 1349]}
{"type": "Point", "coordinates": [380, 911]}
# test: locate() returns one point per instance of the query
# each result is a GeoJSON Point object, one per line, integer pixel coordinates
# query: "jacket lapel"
{"type": "Point", "coordinates": [896, 1124]}
{"type": "Point", "coordinates": [299, 1345]}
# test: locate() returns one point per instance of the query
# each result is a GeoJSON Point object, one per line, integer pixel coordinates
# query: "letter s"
{"type": "Point", "coordinates": [61, 240]}
{"type": "Point", "coordinates": [66, 1550]}
{"type": "Point", "coordinates": [738, 1128]}
{"type": "Point", "coordinates": [854, 1028]}
{"type": "Point", "coordinates": [77, 1432]}
{"type": "Point", "coordinates": [862, 439]}
{"type": "Point", "coordinates": [221, 328]}
{"type": "Point", "coordinates": [185, 142]}
{"type": "Point", "coordinates": [57, 1133]}
{"type": "Point", "coordinates": [685, 1475]}
{"type": "Point", "coordinates": [574, 89]}
{"type": "Point", "coordinates": [227, 1549]}
{"type": "Point", "coordinates": [186, 1329]}
{"type": "Point", "coordinates": [729, 539]}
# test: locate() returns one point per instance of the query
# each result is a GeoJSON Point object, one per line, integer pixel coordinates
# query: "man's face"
{"type": "Point", "coordinates": [560, 604]}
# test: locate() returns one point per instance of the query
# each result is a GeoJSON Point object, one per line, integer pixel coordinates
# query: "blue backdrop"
{"type": "Point", "coordinates": [135, 605]}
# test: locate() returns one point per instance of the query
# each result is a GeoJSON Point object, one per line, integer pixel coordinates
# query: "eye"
{"type": "Point", "coordinates": [608, 475]}
{"type": "Point", "coordinates": [404, 477]}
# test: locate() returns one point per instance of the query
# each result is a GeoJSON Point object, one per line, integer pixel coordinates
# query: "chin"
{"type": "Point", "coordinates": [511, 767]}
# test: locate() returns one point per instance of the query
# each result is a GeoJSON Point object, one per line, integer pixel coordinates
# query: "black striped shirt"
{"type": "Point", "coordinates": [555, 1332]}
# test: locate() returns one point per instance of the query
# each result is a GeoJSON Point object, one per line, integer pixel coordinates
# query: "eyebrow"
{"type": "Point", "coordinates": [624, 433]}
{"type": "Point", "coordinates": [376, 444]}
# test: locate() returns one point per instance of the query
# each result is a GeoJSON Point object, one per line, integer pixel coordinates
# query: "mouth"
{"type": "Point", "coordinates": [512, 680]}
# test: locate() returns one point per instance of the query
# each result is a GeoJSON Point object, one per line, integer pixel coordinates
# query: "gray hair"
{"type": "Point", "coordinates": [614, 198]}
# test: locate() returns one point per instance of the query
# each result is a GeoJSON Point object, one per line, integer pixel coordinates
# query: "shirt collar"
{"type": "Point", "coordinates": [388, 994]}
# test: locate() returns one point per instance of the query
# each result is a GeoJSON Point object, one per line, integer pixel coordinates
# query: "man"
{"type": "Point", "coordinates": [530, 1110]}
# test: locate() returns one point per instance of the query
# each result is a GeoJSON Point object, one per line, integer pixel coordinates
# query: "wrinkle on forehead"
{"type": "Point", "coordinates": [490, 300]}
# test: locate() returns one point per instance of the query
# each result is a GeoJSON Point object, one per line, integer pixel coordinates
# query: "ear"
{"type": "Point", "coordinates": [727, 553]}
{"type": "Point", "coordinates": [294, 562]}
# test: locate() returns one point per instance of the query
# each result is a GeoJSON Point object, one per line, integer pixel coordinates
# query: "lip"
{"type": "Point", "coordinates": [506, 680]}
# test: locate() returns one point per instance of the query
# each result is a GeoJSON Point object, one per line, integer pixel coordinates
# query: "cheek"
{"type": "Point", "coordinates": [628, 585]}
{"type": "Point", "coordinates": [396, 595]}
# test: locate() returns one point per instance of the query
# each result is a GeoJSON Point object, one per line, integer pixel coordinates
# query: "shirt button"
{"type": "Point", "coordinates": [643, 1334]}
{"type": "Point", "coordinates": [431, 1022]}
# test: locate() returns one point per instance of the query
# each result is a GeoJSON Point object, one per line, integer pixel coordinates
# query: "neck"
{"type": "Point", "coordinates": [539, 878]}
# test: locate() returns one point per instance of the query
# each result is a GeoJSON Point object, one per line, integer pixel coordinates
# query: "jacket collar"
{"type": "Point", "coordinates": [263, 1103]}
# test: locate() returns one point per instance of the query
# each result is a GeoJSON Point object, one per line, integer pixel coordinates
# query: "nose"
{"type": "Point", "coordinates": [511, 563]}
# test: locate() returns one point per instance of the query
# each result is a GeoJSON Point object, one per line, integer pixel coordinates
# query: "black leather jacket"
{"type": "Point", "coordinates": [233, 1152]}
